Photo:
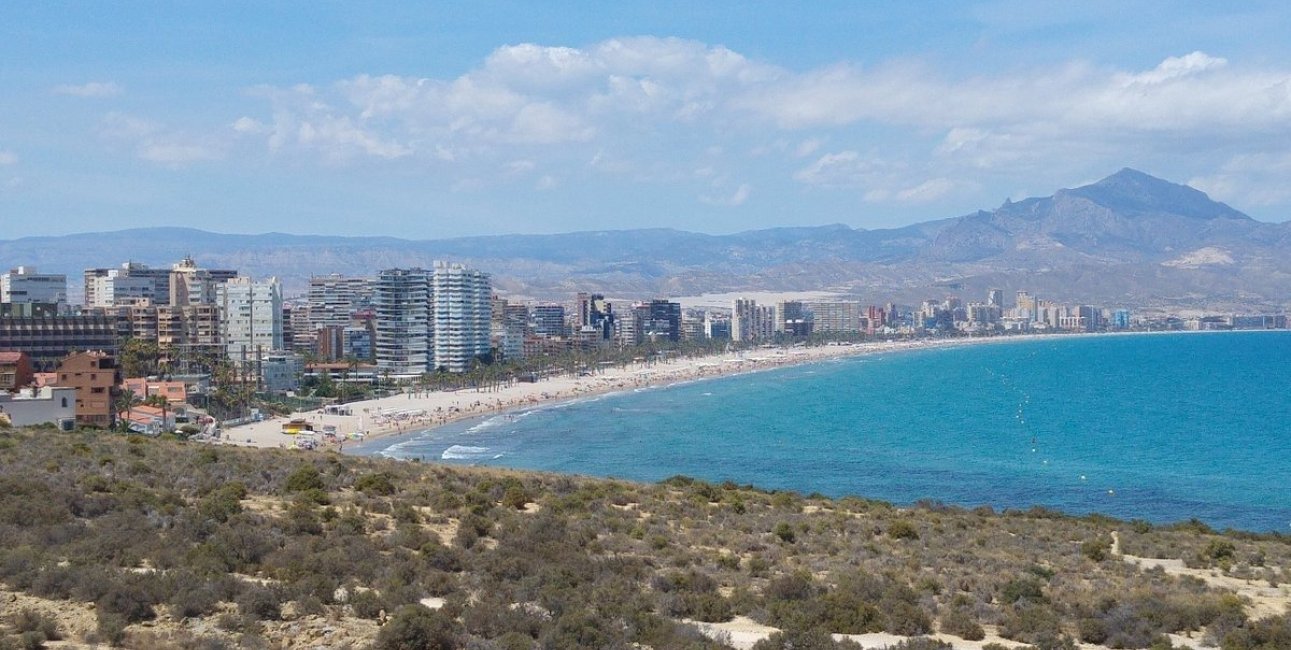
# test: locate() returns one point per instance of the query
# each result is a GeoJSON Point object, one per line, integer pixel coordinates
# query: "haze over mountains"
{"type": "Point", "coordinates": [1128, 240]}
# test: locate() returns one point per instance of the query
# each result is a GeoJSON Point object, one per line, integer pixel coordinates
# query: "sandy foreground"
{"type": "Point", "coordinates": [411, 412]}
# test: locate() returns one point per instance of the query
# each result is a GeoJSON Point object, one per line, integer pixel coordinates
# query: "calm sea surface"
{"type": "Point", "coordinates": [1158, 427]}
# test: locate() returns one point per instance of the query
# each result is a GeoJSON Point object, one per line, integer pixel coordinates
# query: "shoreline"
{"type": "Point", "coordinates": [390, 419]}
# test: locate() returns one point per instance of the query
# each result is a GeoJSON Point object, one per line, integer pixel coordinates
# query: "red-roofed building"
{"type": "Point", "coordinates": [148, 419]}
{"type": "Point", "coordinates": [15, 370]}
{"type": "Point", "coordinates": [175, 392]}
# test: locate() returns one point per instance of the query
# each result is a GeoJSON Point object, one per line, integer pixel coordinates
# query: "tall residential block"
{"type": "Point", "coordinates": [23, 285]}
{"type": "Point", "coordinates": [462, 313]}
{"type": "Point", "coordinates": [402, 312]}
{"type": "Point", "coordinates": [251, 315]}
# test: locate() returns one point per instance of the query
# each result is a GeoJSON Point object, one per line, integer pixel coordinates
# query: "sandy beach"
{"type": "Point", "coordinates": [411, 412]}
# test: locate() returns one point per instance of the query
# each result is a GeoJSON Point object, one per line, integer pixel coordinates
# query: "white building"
{"type": "Point", "coordinates": [751, 322]}
{"type": "Point", "coordinates": [401, 305]}
{"type": "Point", "coordinates": [131, 284]}
{"type": "Point", "coordinates": [251, 317]}
{"type": "Point", "coordinates": [462, 313]}
{"type": "Point", "coordinates": [31, 406]}
{"type": "Point", "coordinates": [24, 285]}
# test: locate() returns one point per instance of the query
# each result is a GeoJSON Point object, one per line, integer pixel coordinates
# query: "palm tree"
{"type": "Point", "coordinates": [125, 401]}
{"type": "Point", "coordinates": [161, 402]}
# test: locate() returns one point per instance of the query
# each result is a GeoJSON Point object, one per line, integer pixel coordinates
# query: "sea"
{"type": "Point", "coordinates": [1159, 427]}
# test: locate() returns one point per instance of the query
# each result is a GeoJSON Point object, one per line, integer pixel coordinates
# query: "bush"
{"type": "Point", "coordinates": [958, 622]}
{"type": "Point", "coordinates": [378, 483]}
{"type": "Point", "coordinates": [260, 603]}
{"type": "Point", "coordinates": [305, 477]}
{"type": "Point", "coordinates": [902, 529]}
{"type": "Point", "coordinates": [803, 639]}
{"type": "Point", "coordinates": [1096, 549]}
{"type": "Point", "coordinates": [785, 532]}
{"type": "Point", "coordinates": [414, 627]}
{"type": "Point", "coordinates": [515, 498]}
{"type": "Point", "coordinates": [111, 627]}
{"type": "Point", "coordinates": [29, 620]}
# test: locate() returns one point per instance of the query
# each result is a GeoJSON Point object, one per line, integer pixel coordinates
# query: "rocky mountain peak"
{"type": "Point", "coordinates": [1131, 192]}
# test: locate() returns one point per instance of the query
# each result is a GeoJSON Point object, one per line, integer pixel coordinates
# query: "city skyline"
{"type": "Point", "coordinates": [487, 119]}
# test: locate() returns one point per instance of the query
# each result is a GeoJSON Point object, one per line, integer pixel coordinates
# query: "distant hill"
{"type": "Point", "coordinates": [1129, 239]}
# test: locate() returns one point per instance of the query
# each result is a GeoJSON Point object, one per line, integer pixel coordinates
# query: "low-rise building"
{"type": "Point", "coordinates": [95, 377]}
{"type": "Point", "coordinates": [48, 404]}
{"type": "Point", "coordinates": [15, 370]}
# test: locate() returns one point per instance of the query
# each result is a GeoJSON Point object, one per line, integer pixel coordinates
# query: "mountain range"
{"type": "Point", "coordinates": [1127, 240]}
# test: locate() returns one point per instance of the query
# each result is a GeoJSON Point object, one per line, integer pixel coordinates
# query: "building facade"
{"type": "Point", "coordinates": [95, 376]}
{"type": "Point", "coordinates": [402, 311]}
{"type": "Point", "coordinates": [23, 285]}
{"type": "Point", "coordinates": [251, 317]}
{"type": "Point", "coordinates": [462, 314]}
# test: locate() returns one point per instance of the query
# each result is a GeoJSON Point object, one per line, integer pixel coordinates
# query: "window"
{"type": "Point", "coordinates": [64, 402]}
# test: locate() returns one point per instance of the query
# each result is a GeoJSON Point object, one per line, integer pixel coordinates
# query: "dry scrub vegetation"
{"type": "Point", "coordinates": [155, 543]}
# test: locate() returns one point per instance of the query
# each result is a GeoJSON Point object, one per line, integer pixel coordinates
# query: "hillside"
{"type": "Point", "coordinates": [1127, 240]}
{"type": "Point", "coordinates": [164, 544]}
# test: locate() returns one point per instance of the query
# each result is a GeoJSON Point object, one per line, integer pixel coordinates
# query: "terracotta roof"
{"type": "Point", "coordinates": [10, 356]}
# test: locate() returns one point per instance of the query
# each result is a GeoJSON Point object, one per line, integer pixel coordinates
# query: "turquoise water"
{"type": "Point", "coordinates": [1161, 427]}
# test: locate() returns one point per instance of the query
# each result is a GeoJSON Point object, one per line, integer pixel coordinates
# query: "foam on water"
{"type": "Point", "coordinates": [464, 452]}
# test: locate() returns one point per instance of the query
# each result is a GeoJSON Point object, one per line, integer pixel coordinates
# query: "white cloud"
{"type": "Point", "coordinates": [1175, 67]}
{"type": "Point", "coordinates": [807, 147]}
{"type": "Point", "coordinates": [8, 157]}
{"type": "Point", "coordinates": [545, 183]}
{"type": "Point", "coordinates": [842, 169]}
{"type": "Point", "coordinates": [734, 199]}
{"type": "Point", "coordinates": [157, 143]}
{"type": "Point", "coordinates": [247, 125]}
{"type": "Point", "coordinates": [647, 108]}
{"type": "Point", "coordinates": [177, 153]}
{"type": "Point", "coordinates": [1259, 179]}
{"type": "Point", "coordinates": [927, 191]}
{"type": "Point", "coordinates": [90, 89]}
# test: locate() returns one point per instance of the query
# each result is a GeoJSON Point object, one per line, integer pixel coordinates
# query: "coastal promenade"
{"type": "Point", "coordinates": [411, 411]}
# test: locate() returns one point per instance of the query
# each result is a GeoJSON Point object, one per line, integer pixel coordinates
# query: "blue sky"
{"type": "Point", "coordinates": [505, 117]}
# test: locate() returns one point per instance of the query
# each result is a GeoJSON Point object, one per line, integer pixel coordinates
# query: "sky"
{"type": "Point", "coordinates": [433, 120]}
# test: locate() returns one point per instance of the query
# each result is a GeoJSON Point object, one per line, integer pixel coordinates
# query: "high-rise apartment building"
{"type": "Point", "coordinates": [23, 285]}
{"type": "Point", "coordinates": [401, 302]}
{"type": "Point", "coordinates": [130, 284]}
{"type": "Point", "coordinates": [251, 316]}
{"type": "Point", "coordinates": [190, 285]}
{"type": "Point", "coordinates": [333, 299]}
{"type": "Point", "coordinates": [547, 320]}
{"type": "Point", "coordinates": [838, 317]}
{"type": "Point", "coordinates": [462, 316]}
{"type": "Point", "coordinates": [751, 322]}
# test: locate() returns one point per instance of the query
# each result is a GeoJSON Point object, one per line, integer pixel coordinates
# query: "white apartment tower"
{"type": "Point", "coordinates": [462, 313]}
{"type": "Point", "coordinates": [251, 316]}
{"type": "Point", "coordinates": [401, 304]}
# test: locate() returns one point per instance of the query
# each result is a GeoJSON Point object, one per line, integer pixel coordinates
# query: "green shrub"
{"type": "Point", "coordinates": [785, 532]}
{"type": "Point", "coordinates": [418, 628]}
{"type": "Point", "coordinates": [305, 477]}
{"type": "Point", "coordinates": [378, 483]}
{"type": "Point", "coordinates": [902, 529]}
{"type": "Point", "coordinates": [959, 622]}
{"type": "Point", "coordinates": [30, 620]}
{"type": "Point", "coordinates": [1096, 549]}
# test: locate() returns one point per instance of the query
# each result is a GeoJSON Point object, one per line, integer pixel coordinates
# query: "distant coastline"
{"type": "Point", "coordinates": [967, 433]}
{"type": "Point", "coordinates": [663, 374]}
